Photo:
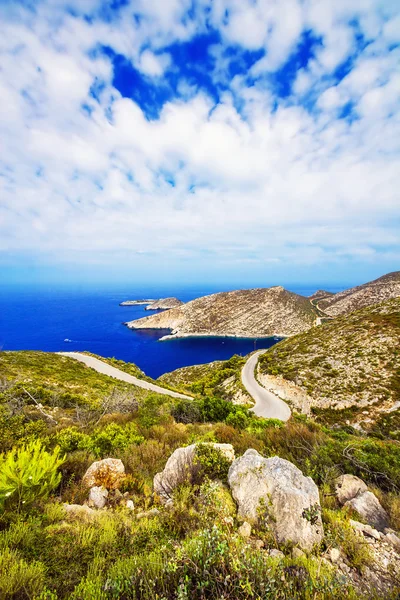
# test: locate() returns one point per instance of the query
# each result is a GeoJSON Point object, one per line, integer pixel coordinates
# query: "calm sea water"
{"type": "Point", "coordinates": [40, 319]}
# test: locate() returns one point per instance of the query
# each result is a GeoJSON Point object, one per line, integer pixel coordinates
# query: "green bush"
{"type": "Point", "coordinates": [28, 474]}
{"type": "Point", "coordinates": [212, 462]}
{"type": "Point", "coordinates": [18, 578]}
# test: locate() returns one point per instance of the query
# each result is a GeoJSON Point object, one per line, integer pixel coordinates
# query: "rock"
{"type": "Point", "coordinates": [276, 491]}
{"type": "Point", "coordinates": [366, 529]}
{"type": "Point", "coordinates": [259, 544]}
{"type": "Point", "coordinates": [297, 553]}
{"type": "Point", "coordinates": [393, 539]}
{"type": "Point", "coordinates": [98, 497]}
{"type": "Point", "coordinates": [181, 467]}
{"type": "Point", "coordinates": [369, 508]}
{"type": "Point", "coordinates": [274, 553]}
{"type": "Point", "coordinates": [353, 492]}
{"type": "Point", "coordinates": [130, 505]}
{"type": "Point", "coordinates": [349, 486]}
{"type": "Point", "coordinates": [79, 511]}
{"type": "Point", "coordinates": [108, 473]}
{"type": "Point", "coordinates": [245, 530]}
{"type": "Point", "coordinates": [334, 555]}
{"type": "Point", "coordinates": [148, 513]}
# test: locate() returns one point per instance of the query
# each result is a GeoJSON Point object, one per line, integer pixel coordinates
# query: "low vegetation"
{"type": "Point", "coordinates": [190, 550]}
{"type": "Point", "coordinates": [350, 363]}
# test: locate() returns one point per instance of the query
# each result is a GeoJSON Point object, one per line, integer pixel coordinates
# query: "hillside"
{"type": "Point", "coordinates": [246, 313]}
{"type": "Point", "coordinates": [88, 478]}
{"type": "Point", "coordinates": [351, 361]}
{"type": "Point", "coordinates": [370, 293]}
{"type": "Point", "coordinates": [221, 379]}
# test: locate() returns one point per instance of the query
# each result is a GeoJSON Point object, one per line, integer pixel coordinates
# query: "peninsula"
{"type": "Point", "coordinates": [260, 312]}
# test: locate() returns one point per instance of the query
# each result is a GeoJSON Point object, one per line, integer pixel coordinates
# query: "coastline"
{"type": "Point", "coordinates": [177, 336]}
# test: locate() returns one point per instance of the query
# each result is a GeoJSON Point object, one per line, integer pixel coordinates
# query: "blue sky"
{"type": "Point", "coordinates": [244, 141]}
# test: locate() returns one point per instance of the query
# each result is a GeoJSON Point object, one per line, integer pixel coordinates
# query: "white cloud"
{"type": "Point", "coordinates": [283, 181]}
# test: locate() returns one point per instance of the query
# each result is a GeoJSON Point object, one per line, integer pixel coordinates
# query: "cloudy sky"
{"type": "Point", "coordinates": [199, 140]}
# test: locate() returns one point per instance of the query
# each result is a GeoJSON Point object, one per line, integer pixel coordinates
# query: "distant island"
{"type": "Point", "coordinates": [264, 312]}
{"type": "Point", "coordinates": [152, 304]}
{"type": "Point", "coordinates": [136, 302]}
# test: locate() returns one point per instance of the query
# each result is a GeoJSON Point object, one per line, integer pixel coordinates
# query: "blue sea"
{"type": "Point", "coordinates": [41, 319]}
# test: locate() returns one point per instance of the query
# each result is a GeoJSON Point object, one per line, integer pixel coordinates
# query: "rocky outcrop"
{"type": "Point", "coordinates": [319, 294]}
{"type": "Point", "coordinates": [370, 293]}
{"type": "Point", "coordinates": [353, 492]}
{"type": "Point", "coordinates": [164, 304]}
{"type": "Point", "coordinates": [275, 491]}
{"type": "Point", "coordinates": [181, 467]}
{"type": "Point", "coordinates": [242, 313]}
{"type": "Point", "coordinates": [108, 473]}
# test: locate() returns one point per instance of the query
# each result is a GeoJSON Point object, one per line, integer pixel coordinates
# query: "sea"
{"type": "Point", "coordinates": [79, 319]}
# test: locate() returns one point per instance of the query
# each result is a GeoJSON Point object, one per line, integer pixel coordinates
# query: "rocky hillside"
{"type": "Point", "coordinates": [370, 293]}
{"type": "Point", "coordinates": [164, 304]}
{"type": "Point", "coordinates": [352, 361]}
{"type": "Point", "coordinates": [247, 313]}
{"type": "Point", "coordinates": [319, 294]}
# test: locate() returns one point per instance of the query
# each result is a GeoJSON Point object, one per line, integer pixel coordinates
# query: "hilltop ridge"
{"type": "Point", "coordinates": [367, 294]}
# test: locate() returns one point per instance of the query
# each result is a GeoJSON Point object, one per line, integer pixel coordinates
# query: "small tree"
{"type": "Point", "coordinates": [28, 474]}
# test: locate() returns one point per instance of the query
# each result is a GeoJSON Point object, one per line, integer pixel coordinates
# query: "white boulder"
{"type": "Point", "coordinates": [98, 497]}
{"type": "Point", "coordinates": [108, 473]}
{"type": "Point", "coordinates": [181, 466]}
{"type": "Point", "coordinates": [275, 491]}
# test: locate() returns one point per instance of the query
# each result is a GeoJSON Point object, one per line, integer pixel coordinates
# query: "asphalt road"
{"type": "Point", "coordinates": [267, 405]}
{"type": "Point", "coordinates": [102, 367]}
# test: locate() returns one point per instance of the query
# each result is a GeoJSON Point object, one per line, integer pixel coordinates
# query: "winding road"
{"type": "Point", "coordinates": [106, 369]}
{"type": "Point", "coordinates": [267, 405]}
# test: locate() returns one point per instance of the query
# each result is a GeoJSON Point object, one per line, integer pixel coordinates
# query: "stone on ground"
{"type": "Point", "coordinates": [98, 497]}
{"type": "Point", "coordinates": [108, 473]}
{"type": "Point", "coordinates": [181, 467]}
{"type": "Point", "coordinates": [275, 492]}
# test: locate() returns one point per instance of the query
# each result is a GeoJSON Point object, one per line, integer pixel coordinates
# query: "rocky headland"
{"type": "Point", "coordinates": [152, 304]}
{"type": "Point", "coordinates": [370, 293]}
{"type": "Point", "coordinates": [242, 313]}
{"type": "Point", "coordinates": [164, 304]}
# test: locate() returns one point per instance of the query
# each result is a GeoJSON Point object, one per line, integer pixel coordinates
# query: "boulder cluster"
{"type": "Point", "coordinates": [270, 493]}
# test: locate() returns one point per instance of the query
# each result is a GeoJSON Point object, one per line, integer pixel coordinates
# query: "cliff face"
{"type": "Point", "coordinates": [370, 293]}
{"type": "Point", "coordinates": [256, 312]}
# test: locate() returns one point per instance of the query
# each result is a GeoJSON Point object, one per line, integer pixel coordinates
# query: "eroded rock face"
{"type": "Point", "coordinates": [181, 467]}
{"type": "Point", "coordinates": [353, 492]}
{"type": "Point", "coordinates": [108, 473]}
{"type": "Point", "coordinates": [275, 490]}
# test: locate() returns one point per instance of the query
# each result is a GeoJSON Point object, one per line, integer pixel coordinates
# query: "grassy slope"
{"type": "Point", "coordinates": [353, 359]}
{"type": "Point", "coordinates": [46, 373]}
{"type": "Point", "coordinates": [206, 379]}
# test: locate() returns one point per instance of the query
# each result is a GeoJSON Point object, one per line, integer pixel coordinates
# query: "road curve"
{"type": "Point", "coordinates": [106, 369]}
{"type": "Point", "coordinates": [267, 405]}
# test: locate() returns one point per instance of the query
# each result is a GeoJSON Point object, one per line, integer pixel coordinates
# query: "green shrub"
{"type": "Point", "coordinates": [27, 474]}
{"type": "Point", "coordinates": [18, 578]}
{"type": "Point", "coordinates": [212, 462]}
